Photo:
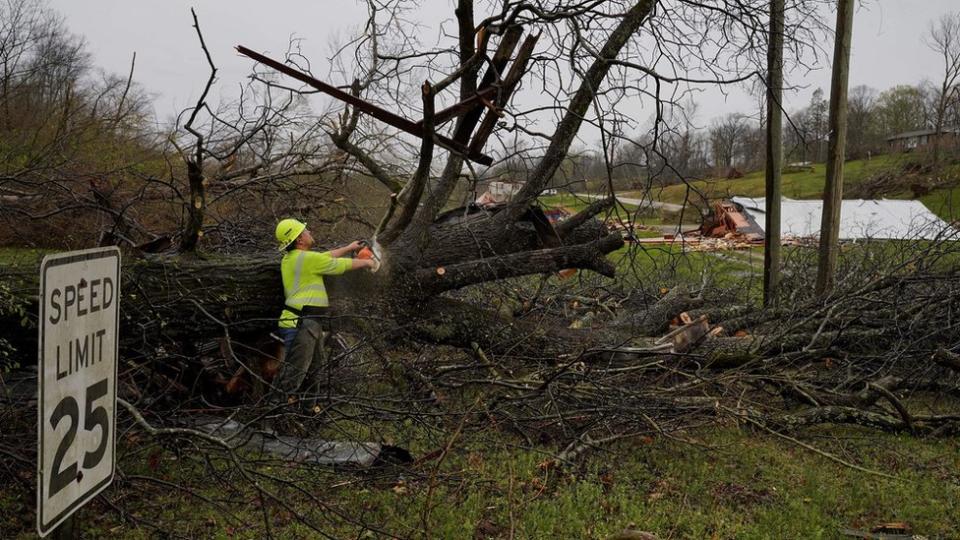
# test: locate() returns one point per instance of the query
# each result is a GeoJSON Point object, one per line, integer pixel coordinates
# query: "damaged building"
{"type": "Point", "coordinates": [859, 219]}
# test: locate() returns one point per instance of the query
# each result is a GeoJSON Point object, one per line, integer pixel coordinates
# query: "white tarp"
{"type": "Point", "coordinates": [883, 219]}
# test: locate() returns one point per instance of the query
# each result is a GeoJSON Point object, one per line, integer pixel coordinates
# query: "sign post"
{"type": "Point", "coordinates": [77, 379]}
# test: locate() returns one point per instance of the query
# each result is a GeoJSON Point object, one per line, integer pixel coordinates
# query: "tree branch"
{"type": "Point", "coordinates": [368, 162]}
{"type": "Point", "coordinates": [409, 198]}
{"type": "Point", "coordinates": [570, 224]}
{"type": "Point", "coordinates": [568, 127]}
{"type": "Point", "coordinates": [589, 256]}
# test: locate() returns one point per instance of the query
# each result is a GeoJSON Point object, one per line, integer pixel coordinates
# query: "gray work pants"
{"type": "Point", "coordinates": [305, 362]}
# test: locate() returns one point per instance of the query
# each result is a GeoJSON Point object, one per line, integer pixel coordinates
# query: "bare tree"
{"type": "Point", "coordinates": [68, 138]}
{"type": "Point", "coordinates": [862, 132]}
{"type": "Point", "coordinates": [943, 38]}
{"type": "Point", "coordinates": [726, 139]}
{"type": "Point", "coordinates": [267, 141]}
{"type": "Point", "coordinates": [427, 255]}
{"type": "Point", "coordinates": [563, 391]}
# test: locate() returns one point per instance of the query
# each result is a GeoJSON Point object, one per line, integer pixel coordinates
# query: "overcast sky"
{"type": "Point", "coordinates": [887, 47]}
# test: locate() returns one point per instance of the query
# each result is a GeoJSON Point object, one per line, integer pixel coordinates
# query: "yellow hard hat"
{"type": "Point", "coordinates": [287, 231]}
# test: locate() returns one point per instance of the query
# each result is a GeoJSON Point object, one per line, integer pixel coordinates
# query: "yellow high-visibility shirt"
{"type": "Point", "coordinates": [302, 272]}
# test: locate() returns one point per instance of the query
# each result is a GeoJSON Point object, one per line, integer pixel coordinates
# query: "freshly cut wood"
{"type": "Point", "coordinates": [688, 335]}
{"type": "Point", "coordinates": [691, 335]}
{"type": "Point", "coordinates": [654, 320]}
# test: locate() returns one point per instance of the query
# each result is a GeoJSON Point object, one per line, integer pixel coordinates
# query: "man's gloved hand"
{"type": "Point", "coordinates": [367, 253]}
{"type": "Point", "coordinates": [355, 246]}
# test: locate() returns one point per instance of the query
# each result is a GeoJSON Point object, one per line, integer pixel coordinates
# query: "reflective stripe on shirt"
{"type": "Point", "coordinates": [303, 280]}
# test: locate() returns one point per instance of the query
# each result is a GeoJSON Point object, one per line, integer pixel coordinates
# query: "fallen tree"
{"type": "Point", "coordinates": [424, 252]}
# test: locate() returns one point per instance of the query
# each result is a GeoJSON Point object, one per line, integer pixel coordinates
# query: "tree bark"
{"type": "Point", "coordinates": [734, 352]}
{"type": "Point", "coordinates": [771, 240]}
{"type": "Point", "coordinates": [478, 236]}
{"type": "Point", "coordinates": [654, 320]}
{"type": "Point", "coordinates": [179, 299]}
{"type": "Point", "coordinates": [833, 191]}
{"type": "Point", "coordinates": [430, 281]}
{"type": "Point", "coordinates": [193, 229]}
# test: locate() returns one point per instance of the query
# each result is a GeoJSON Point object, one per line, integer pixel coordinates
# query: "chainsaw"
{"type": "Point", "coordinates": [370, 251]}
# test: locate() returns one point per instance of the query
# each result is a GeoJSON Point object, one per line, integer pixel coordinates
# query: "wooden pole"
{"type": "Point", "coordinates": [833, 190]}
{"type": "Point", "coordinates": [774, 161]}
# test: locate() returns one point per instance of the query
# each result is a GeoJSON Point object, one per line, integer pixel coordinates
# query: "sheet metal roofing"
{"type": "Point", "coordinates": [884, 218]}
{"type": "Point", "coordinates": [922, 132]}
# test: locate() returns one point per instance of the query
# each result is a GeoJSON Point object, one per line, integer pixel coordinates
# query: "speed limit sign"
{"type": "Point", "coordinates": [77, 378]}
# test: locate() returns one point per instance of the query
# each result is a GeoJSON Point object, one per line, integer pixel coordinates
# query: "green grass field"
{"type": "Point", "coordinates": [730, 483]}
{"type": "Point", "coordinates": [796, 185]}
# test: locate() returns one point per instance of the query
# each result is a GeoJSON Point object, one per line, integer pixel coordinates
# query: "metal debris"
{"type": "Point", "coordinates": [304, 449]}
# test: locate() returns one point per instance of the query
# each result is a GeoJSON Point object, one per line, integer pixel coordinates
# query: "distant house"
{"type": "Point", "coordinates": [909, 141]}
{"type": "Point", "coordinates": [859, 219]}
{"type": "Point", "coordinates": [502, 191]}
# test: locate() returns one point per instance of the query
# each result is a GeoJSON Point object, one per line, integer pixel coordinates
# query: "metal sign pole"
{"type": "Point", "coordinates": [65, 530]}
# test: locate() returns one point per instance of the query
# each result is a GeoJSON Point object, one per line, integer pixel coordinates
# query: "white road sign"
{"type": "Point", "coordinates": [79, 318]}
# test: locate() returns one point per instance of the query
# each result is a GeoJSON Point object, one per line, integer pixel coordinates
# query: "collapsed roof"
{"type": "Point", "coordinates": [859, 219]}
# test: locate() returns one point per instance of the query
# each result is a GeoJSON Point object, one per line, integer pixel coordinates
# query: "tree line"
{"type": "Point", "coordinates": [734, 143]}
{"type": "Point", "coordinates": [84, 160]}
{"type": "Point", "coordinates": [81, 152]}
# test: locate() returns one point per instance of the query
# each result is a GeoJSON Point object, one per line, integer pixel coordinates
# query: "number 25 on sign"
{"type": "Point", "coordinates": [77, 376]}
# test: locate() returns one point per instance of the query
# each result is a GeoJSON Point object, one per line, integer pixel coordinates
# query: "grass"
{"type": "Point", "coordinates": [20, 256]}
{"type": "Point", "coordinates": [573, 203]}
{"type": "Point", "coordinates": [796, 185]}
{"type": "Point", "coordinates": [732, 484]}
{"type": "Point", "coordinates": [944, 202]}
{"type": "Point", "coordinates": [671, 263]}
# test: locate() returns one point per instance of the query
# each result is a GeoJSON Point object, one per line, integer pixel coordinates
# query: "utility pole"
{"type": "Point", "coordinates": [833, 191]}
{"type": "Point", "coordinates": [774, 161]}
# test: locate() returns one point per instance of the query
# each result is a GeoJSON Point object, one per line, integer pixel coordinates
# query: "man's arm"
{"type": "Point", "coordinates": [362, 263]}
{"type": "Point", "coordinates": [341, 251]}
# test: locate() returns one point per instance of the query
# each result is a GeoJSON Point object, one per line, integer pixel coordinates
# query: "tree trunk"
{"type": "Point", "coordinates": [734, 352]}
{"type": "Point", "coordinates": [477, 247]}
{"type": "Point", "coordinates": [771, 241]}
{"type": "Point", "coordinates": [833, 191]}
{"type": "Point", "coordinates": [654, 320]}
{"type": "Point", "coordinates": [179, 299]}
{"type": "Point", "coordinates": [193, 229]}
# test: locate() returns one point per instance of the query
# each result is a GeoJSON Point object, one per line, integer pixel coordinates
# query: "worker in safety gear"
{"type": "Point", "coordinates": [303, 323]}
